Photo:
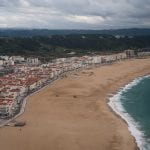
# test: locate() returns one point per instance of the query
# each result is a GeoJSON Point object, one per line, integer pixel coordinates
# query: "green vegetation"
{"type": "Point", "coordinates": [65, 45]}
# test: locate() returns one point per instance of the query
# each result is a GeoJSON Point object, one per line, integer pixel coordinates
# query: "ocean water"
{"type": "Point", "coordinates": [132, 103]}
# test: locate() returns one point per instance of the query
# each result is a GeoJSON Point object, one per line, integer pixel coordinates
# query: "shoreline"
{"type": "Point", "coordinates": [81, 101]}
{"type": "Point", "coordinates": [112, 102]}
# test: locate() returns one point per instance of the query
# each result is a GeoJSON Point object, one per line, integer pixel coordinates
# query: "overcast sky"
{"type": "Point", "coordinates": [75, 14]}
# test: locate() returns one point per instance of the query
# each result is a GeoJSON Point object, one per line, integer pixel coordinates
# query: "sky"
{"type": "Point", "coordinates": [75, 14]}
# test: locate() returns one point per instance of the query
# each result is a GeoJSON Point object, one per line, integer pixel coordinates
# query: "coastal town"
{"type": "Point", "coordinates": [22, 76]}
{"type": "Point", "coordinates": [74, 74]}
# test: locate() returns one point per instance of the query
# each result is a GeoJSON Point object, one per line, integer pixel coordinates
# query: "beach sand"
{"type": "Point", "coordinates": [72, 113]}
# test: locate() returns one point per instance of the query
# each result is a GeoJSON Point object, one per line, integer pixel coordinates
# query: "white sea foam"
{"type": "Point", "coordinates": [133, 126]}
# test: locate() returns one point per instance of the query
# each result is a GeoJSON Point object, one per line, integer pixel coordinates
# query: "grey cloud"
{"type": "Point", "coordinates": [75, 14]}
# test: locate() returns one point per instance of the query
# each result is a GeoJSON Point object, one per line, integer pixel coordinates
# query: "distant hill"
{"type": "Point", "coordinates": [46, 32]}
{"type": "Point", "coordinates": [64, 45]}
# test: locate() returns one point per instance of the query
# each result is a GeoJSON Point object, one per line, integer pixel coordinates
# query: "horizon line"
{"type": "Point", "coordinates": [23, 28]}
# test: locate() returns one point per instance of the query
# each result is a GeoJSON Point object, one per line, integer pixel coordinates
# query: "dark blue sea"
{"type": "Point", "coordinates": [132, 103]}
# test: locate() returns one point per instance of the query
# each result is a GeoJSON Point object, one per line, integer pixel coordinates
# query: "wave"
{"type": "Point", "coordinates": [133, 126]}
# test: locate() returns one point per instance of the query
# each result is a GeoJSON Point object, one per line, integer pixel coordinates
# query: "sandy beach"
{"type": "Point", "coordinates": [72, 113]}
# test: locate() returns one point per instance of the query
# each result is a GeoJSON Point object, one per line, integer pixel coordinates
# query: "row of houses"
{"type": "Point", "coordinates": [12, 60]}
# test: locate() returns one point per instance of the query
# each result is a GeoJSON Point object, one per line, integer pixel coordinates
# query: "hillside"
{"type": "Point", "coordinates": [63, 45]}
{"type": "Point", "coordinates": [46, 32]}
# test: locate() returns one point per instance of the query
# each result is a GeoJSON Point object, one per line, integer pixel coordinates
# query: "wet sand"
{"type": "Point", "coordinates": [72, 113]}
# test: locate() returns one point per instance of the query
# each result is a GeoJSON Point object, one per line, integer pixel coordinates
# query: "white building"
{"type": "Point", "coordinates": [143, 54]}
{"type": "Point", "coordinates": [11, 62]}
{"type": "Point", "coordinates": [1, 62]}
{"type": "Point", "coordinates": [5, 57]}
{"type": "Point", "coordinates": [32, 61]}
{"type": "Point", "coordinates": [97, 59]}
{"type": "Point", "coordinates": [17, 58]}
{"type": "Point", "coordinates": [130, 53]}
